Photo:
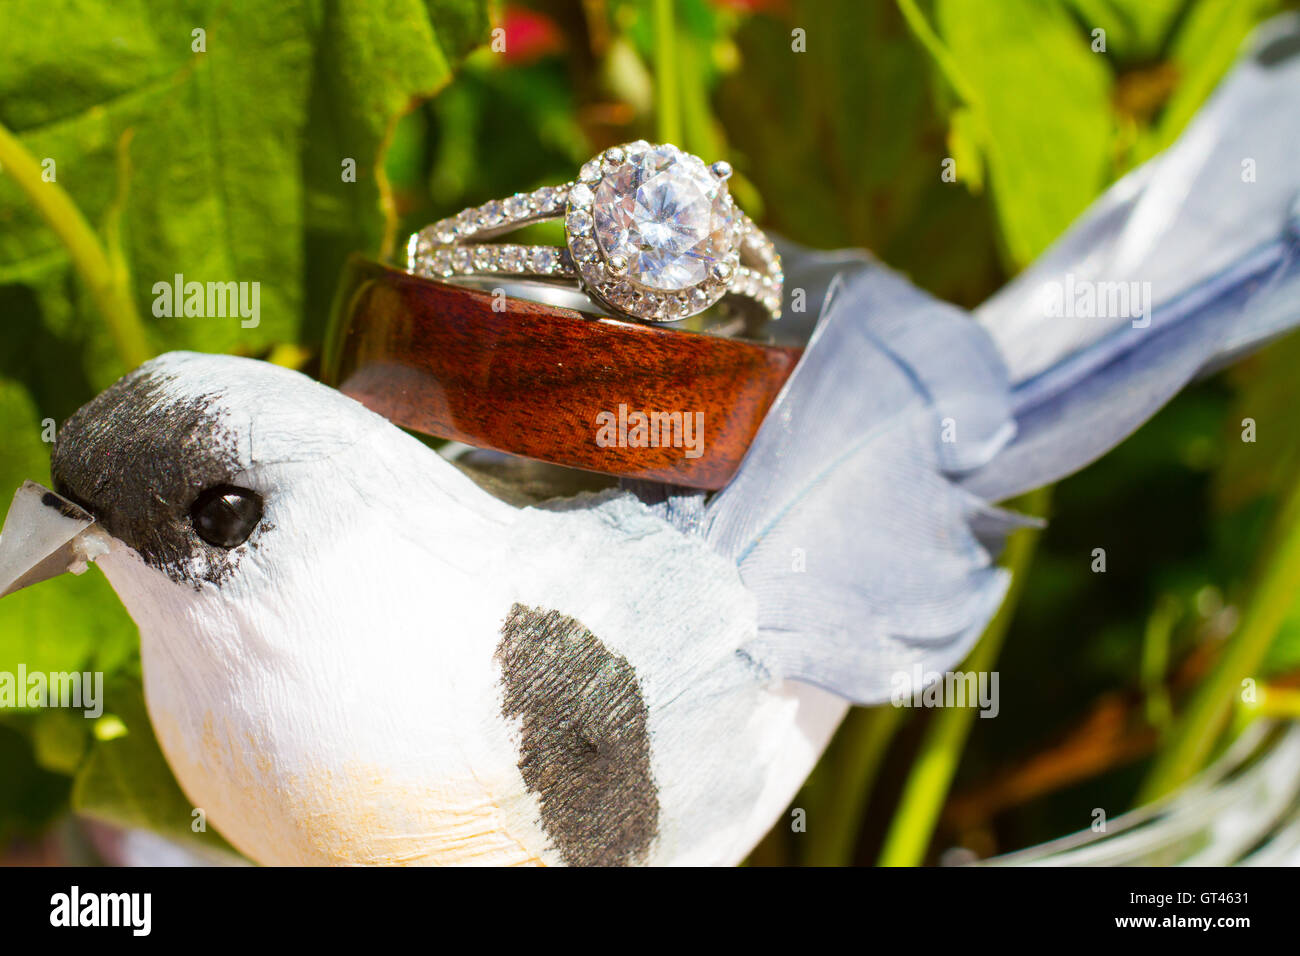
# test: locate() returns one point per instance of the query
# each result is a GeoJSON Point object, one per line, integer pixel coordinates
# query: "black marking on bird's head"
{"type": "Point", "coordinates": [137, 456]}
{"type": "Point", "coordinates": [584, 742]}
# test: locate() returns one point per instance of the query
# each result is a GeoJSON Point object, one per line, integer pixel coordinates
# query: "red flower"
{"type": "Point", "coordinates": [529, 35]}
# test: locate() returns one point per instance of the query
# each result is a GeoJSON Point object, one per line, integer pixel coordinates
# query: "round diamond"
{"type": "Point", "coordinates": [516, 207]}
{"type": "Point", "coordinates": [667, 214]}
{"type": "Point", "coordinates": [543, 198]}
{"type": "Point", "coordinates": [543, 259]}
{"type": "Point", "coordinates": [580, 195]}
{"type": "Point", "coordinates": [512, 259]}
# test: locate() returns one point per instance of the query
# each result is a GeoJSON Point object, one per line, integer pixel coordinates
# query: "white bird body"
{"type": "Point", "coordinates": [340, 700]}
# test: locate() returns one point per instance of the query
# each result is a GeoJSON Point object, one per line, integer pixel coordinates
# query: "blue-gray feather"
{"type": "Point", "coordinates": [842, 519]}
{"type": "Point", "coordinates": [860, 516]}
{"type": "Point", "coordinates": [1212, 224]}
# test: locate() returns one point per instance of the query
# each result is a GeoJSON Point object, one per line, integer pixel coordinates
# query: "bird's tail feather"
{"type": "Point", "coordinates": [859, 518]}
{"type": "Point", "coordinates": [860, 551]}
{"type": "Point", "coordinates": [1202, 242]}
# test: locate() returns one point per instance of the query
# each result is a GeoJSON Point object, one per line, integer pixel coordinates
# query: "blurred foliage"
{"type": "Point", "coordinates": [221, 162]}
{"type": "Point", "coordinates": [125, 779]}
{"type": "Point", "coordinates": [226, 164]}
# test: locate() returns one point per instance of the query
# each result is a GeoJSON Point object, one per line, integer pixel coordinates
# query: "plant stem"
{"type": "Point", "coordinates": [668, 107]}
{"type": "Point", "coordinates": [840, 792]}
{"type": "Point", "coordinates": [106, 282]}
{"type": "Point", "coordinates": [1198, 729]}
{"type": "Point", "coordinates": [1155, 660]}
{"type": "Point", "coordinates": [926, 790]}
{"type": "Point", "coordinates": [1278, 702]}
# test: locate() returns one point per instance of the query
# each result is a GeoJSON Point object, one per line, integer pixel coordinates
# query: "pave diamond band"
{"type": "Point", "coordinates": [651, 232]}
{"type": "Point", "coordinates": [444, 262]}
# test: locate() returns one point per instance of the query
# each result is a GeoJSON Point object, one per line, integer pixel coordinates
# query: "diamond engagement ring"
{"type": "Point", "coordinates": [651, 232]}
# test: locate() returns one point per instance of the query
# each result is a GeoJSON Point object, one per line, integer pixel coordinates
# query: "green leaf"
{"type": "Point", "coordinates": [374, 62]}
{"type": "Point", "coordinates": [1206, 46]}
{"type": "Point", "coordinates": [1044, 101]}
{"type": "Point", "coordinates": [215, 192]}
{"type": "Point", "coordinates": [964, 137]}
{"type": "Point", "coordinates": [844, 144]}
{"type": "Point", "coordinates": [1135, 29]}
{"type": "Point", "coordinates": [201, 138]}
{"type": "Point", "coordinates": [235, 149]}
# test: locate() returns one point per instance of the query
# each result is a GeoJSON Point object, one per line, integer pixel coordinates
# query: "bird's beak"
{"type": "Point", "coordinates": [44, 535]}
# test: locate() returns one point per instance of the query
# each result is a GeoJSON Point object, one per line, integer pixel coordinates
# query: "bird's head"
{"type": "Point", "coordinates": [196, 474]}
{"type": "Point", "coordinates": [319, 595]}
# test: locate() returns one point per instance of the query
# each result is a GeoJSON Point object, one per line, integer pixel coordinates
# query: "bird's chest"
{"type": "Point", "coordinates": [360, 775]}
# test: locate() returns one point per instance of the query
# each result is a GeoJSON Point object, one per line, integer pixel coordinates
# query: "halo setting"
{"type": "Point", "coordinates": [653, 231]}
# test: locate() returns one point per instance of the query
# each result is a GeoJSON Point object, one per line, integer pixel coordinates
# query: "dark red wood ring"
{"type": "Point", "coordinates": [532, 379]}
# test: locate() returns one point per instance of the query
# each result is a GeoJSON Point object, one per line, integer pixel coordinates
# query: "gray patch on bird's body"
{"type": "Point", "coordinates": [584, 742]}
{"type": "Point", "coordinates": [136, 457]}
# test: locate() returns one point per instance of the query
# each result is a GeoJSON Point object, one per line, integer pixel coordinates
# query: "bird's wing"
{"type": "Point", "coordinates": [859, 517]}
{"type": "Point", "coordinates": [862, 554]}
{"type": "Point", "coordinates": [1210, 228]}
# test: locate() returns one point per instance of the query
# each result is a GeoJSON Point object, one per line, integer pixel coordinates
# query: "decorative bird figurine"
{"type": "Point", "coordinates": [354, 653]}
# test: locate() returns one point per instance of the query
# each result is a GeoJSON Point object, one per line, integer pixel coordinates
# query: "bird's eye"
{"type": "Point", "coordinates": [225, 515]}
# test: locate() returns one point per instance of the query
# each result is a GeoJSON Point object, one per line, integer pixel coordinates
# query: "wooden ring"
{"type": "Point", "coordinates": [550, 383]}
